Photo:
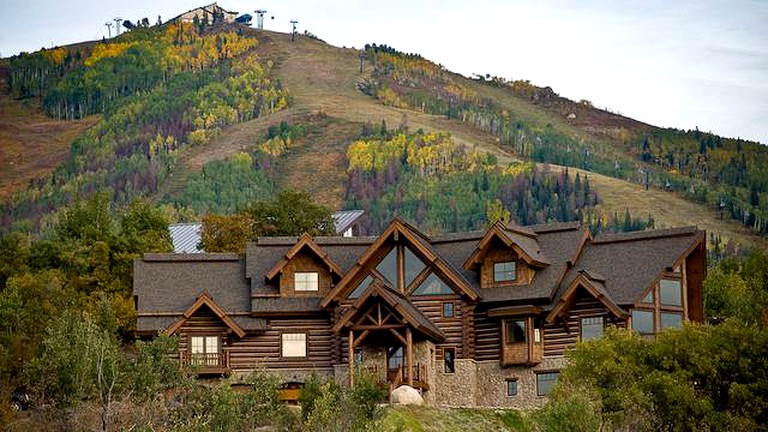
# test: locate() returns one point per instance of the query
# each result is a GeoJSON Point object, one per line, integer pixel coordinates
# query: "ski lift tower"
{"type": "Point", "coordinates": [117, 21]}
{"type": "Point", "coordinates": [293, 32]}
{"type": "Point", "coordinates": [109, 28]}
{"type": "Point", "coordinates": [260, 18]}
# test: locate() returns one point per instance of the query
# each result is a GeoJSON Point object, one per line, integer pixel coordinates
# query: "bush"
{"type": "Point", "coordinates": [325, 406]}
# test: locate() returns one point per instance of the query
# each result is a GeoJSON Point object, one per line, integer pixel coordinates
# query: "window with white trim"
{"type": "Point", "coordinates": [305, 281]}
{"type": "Point", "coordinates": [294, 344]}
{"type": "Point", "coordinates": [204, 350]}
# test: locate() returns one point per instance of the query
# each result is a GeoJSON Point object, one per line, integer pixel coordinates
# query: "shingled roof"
{"type": "Point", "coordinates": [631, 262]}
{"type": "Point", "coordinates": [618, 267]}
{"type": "Point", "coordinates": [167, 285]}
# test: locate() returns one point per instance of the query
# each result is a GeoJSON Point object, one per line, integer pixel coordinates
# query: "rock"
{"type": "Point", "coordinates": [406, 395]}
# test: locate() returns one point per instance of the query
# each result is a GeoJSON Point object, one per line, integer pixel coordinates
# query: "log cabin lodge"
{"type": "Point", "coordinates": [470, 319]}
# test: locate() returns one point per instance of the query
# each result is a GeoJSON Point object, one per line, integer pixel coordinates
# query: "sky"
{"type": "Point", "coordinates": [671, 63]}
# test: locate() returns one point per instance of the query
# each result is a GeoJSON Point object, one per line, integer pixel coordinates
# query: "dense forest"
{"type": "Point", "coordinates": [157, 89]}
{"type": "Point", "coordinates": [728, 175]}
{"type": "Point", "coordinates": [443, 186]}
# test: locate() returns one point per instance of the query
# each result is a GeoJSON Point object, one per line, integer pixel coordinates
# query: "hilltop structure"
{"type": "Point", "coordinates": [208, 13]}
{"type": "Point", "coordinates": [470, 319]}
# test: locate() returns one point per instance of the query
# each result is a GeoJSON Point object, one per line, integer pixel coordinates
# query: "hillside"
{"type": "Point", "coordinates": [330, 102]}
{"type": "Point", "coordinates": [31, 144]}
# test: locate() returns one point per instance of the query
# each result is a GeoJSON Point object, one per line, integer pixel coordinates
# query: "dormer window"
{"type": "Point", "coordinates": [305, 281]}
{"type": "Point", "coordinates": [505, 271]}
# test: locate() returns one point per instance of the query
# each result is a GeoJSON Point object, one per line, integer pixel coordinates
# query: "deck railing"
{"type": "Point", "coordinates": [206, 362]}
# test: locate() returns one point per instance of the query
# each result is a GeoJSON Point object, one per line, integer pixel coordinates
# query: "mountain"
{"type": "Point", "coordinates": [210, 118]}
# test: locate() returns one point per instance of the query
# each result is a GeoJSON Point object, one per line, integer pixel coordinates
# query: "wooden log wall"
{"type": "Point", "coordinates": [563, 333]}
{"type": "Point", "coordinates": [264, 349]}
{"type": "Point", "coordinates": [488, 339]}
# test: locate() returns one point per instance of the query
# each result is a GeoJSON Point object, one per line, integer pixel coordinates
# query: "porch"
{"type": "Point", "coordinates": [216, 363]}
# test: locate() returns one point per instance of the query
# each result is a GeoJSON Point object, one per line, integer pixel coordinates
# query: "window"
{"type": "Point", "coordinates": [642, 321]}
{"type": "Point", "coordinates": [504, 271]}
{"type": "Point", "coordinates": [448, 310]}
{"type": "Point", "coordinates": [395, 357]}
{"type": "Point", "coordinates": [545, 382]}
{"type": "Point", "coordinates": [511, 387]}
{"type": "Point", "coordinates": [413, 266]}
{"type": "Point", "coordinates": [205, 350]}
{"type": "Point", "coordinates": [515, 331]}
{"type": "Point", "coordinates": [671, 319]}
{"type": "Point", "coordinates": [449, 360]}
{"type": "Point", "coordinates": [591, 328]}
{"type": "Point", "coordinates": [305, 281]}
{"type": "Point", "coordinates": [648, 298]}
{"type": "Point", "coordinates": [388, 267]}
{"type": "Point", "coordinates": [670, 292]}
{"type": "Point", "coordinates": [433, 285]}
{"type": "Point", "coordinates": [294, 344]}
{"type": "Point", "coordinates": [360, 289]}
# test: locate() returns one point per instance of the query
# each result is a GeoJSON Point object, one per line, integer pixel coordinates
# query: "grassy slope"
{"type": "Point", "coordinates": [433, 419]}
{"type": "Point", "coordinates": [31, 144]}
{"type": "Point", "coordinates": [321, 79]}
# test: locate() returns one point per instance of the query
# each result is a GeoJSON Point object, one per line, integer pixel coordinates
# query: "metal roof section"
{"type": "Point", "coordinates": [186, 237]}
{"type": "Point", "coordinates": [343, 220]}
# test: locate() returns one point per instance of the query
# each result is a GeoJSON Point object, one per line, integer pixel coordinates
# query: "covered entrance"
{"type": "Point", "coordinates": [382, 327]}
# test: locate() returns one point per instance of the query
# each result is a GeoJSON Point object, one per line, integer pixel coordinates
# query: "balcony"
{"type": "Point", "coordinates": [520, 353]}
{"type": "Point", "coordinates": [206, 363]}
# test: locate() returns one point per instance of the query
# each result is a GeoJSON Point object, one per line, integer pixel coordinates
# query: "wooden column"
{"type": "Point", "coordinates": [351, 358]}
{"type": "Point", "coordinates": [409, 354]}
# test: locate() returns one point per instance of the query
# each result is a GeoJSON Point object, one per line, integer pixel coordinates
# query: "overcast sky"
{"type": "Point", "coordinates": [670, 63]}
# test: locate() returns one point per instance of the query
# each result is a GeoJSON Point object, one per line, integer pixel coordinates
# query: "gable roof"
{"type": "Point", "coordinates": [594, 286]}
{"type": "Point", "coordinates": [205, 299]}
{"type": "Point", "coordinates": [523, 241]}
{"type": "Point", "coordinates": [397, 302]}
{"type": "Point", "coordinates": [562, 243]}
{"type": "Point", "coordinates": [630, 263]}
{"type": "Point", "coordinates": [398, 227]}
{"type": "Point", "coordinates": [304, 241]}
{"type": "Point", "coordinates": [165, 285]}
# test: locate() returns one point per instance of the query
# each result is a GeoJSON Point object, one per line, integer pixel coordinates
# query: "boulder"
{"type": "Point", "coordinates": [406, 395]}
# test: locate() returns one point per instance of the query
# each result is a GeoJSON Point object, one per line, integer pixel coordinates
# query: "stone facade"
{"type": "Point", "coordinates": [492, 378]}
{"type": "Point", "coordinates": [457, 389]}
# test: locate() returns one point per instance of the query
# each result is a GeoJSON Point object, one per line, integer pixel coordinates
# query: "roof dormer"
{"type": "Point", "coordinates": [306, 270]}
{"type": "Point", "coordinates": [507, 256]}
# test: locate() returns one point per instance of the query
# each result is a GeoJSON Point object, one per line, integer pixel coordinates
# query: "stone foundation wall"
{"type": "Point", "coordinates": [492, 382]}
{"type": "Point", "coordinates": [473, 384]}
{"type": "Point", "coordinates": [457, 389]}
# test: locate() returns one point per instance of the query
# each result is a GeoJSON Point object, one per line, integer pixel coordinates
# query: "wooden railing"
{"type": "Point", "coordinates": [398, 376]}
{"type": "Point", "coordinates": [205, 362]}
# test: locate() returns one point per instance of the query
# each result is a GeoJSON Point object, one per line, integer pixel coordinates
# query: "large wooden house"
{"type": "Point", "coordinates": [471, 319]}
